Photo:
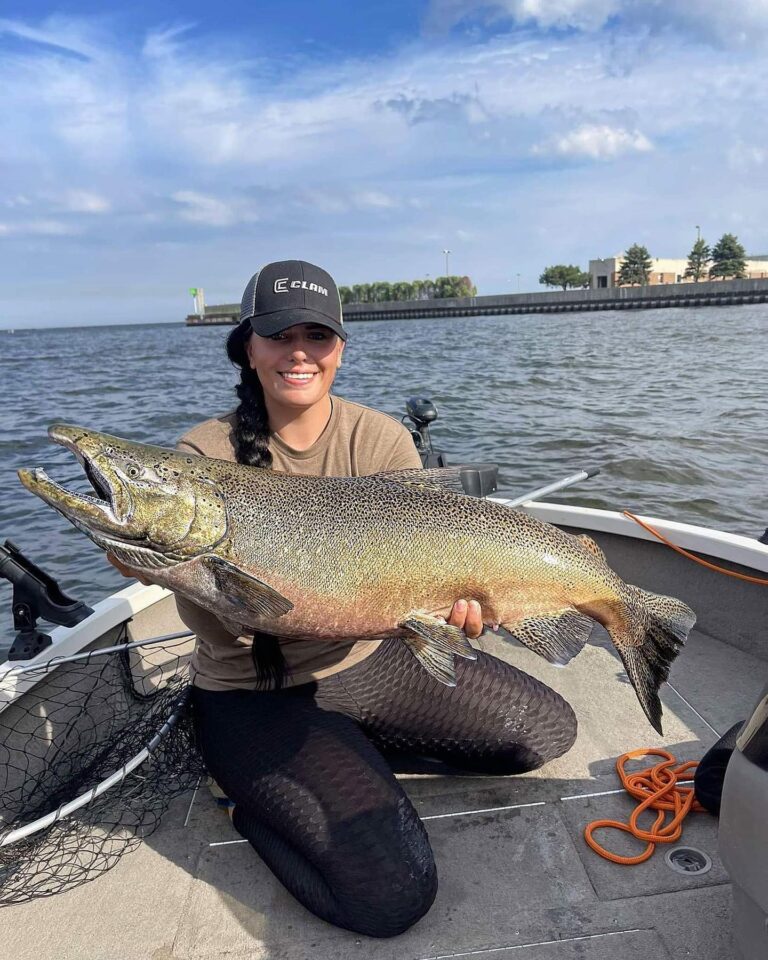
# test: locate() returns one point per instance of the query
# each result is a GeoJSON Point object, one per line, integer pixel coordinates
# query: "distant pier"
{"type": "Point", "coordinates": [713, 293]}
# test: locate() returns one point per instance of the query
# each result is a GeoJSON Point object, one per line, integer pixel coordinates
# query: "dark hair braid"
{"type": "Point", "coordinates": [251, 436]}
{"type": "Point", "coordinates": [251, 420]}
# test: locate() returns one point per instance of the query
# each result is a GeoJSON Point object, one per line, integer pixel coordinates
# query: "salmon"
{"type": "Point", "coordinates": [360, 557]}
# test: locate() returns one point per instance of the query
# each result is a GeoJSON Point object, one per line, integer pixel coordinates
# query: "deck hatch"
{"type": "Point", "coordinates": [688, 860]}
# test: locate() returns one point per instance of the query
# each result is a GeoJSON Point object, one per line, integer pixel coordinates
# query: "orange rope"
{"type": "Point", "coordinates": [657, 788]}
{"type": "Point", "coordinates": [691, 556]}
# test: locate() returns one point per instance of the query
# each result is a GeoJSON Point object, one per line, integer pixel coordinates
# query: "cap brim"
{"type": "Point", "coordinates": [265, 325]}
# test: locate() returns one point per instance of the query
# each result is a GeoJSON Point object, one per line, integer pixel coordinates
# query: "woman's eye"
{"type": "Point", "coordinates": [277, 336]}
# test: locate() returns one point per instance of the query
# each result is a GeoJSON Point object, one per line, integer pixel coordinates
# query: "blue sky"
{"type": "Point", "coordinates": [174, 145]}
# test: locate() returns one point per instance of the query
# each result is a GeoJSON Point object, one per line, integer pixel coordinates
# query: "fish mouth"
{"type": "Point", "coordinates": [109, 509]}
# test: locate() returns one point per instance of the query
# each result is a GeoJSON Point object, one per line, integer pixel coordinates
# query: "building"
{"type": "Point", "coordinates": [604, 273]}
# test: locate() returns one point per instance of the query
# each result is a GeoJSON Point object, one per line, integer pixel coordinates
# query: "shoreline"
{"type": "Point", "coordinates": [711, 293]}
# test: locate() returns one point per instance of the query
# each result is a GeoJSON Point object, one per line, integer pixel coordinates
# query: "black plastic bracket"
{"type": "Point", "coordinates": [36, 595]}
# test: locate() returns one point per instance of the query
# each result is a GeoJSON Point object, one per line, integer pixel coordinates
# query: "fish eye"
{"type": "Point", "coordinates": [133, 471]}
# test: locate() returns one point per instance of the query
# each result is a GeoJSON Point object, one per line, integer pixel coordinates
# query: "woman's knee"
{"type": "Point", "coordinates": [391, 907]}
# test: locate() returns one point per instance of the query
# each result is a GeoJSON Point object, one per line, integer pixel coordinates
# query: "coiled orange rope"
{"type": "Point", "coordinates": [657, 787]}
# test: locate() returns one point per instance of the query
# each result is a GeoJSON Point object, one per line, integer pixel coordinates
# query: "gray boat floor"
{"type": "Point", "coordinates": [517, 879]}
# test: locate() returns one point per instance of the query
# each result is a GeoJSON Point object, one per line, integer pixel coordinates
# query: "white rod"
{"type": "Point", "coordinates": [551, 488]}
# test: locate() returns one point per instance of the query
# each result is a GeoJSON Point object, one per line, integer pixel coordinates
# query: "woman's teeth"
{"type": "Point", "coordinates": [297, 376]}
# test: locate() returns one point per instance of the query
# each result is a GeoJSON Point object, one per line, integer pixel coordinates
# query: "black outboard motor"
{"type": "Point", "coordinates": [421, 412]}
{"type": "Point", "coordinates": [35, 595]}
{"type": "Point", "coordinates": [478, 479]}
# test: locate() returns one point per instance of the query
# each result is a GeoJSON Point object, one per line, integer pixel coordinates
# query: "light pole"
{"type": "Point", "coordinates": [447, 254]}
{"type": "Point", "coordinates": [698, 233]}
{"type": "Point", "coordinates": [518, 282]}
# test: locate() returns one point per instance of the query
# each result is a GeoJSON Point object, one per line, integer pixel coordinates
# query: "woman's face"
{"type": "Point", "coordinates": [296, 367]}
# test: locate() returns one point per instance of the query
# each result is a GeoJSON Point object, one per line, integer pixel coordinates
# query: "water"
{"type": "Point", "coordinates": [670, 404]}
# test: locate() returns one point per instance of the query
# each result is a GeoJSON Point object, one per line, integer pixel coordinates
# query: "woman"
{"type": "Point", "coordinates": [291, 730]}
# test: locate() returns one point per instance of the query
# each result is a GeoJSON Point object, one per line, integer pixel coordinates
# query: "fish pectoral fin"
{"type": "Point", "coordinates": [557, 638]}
{"type": "Point", "coordinates": [434, 643]}
{"type": "Point", "coordinates": [435, 478]}
{"type": "Point", "coordinates": [590, 544]}
{"type": "Point", "coordinates": [249, 590]}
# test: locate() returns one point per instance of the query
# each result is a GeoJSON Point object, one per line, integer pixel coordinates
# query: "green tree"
{"type": "Point", "coordinates": [562, 275]}
{"type": "Point", "coordinates": [346, 295]}
{"type": "Point", "coordinates": [402, 290]}
{"type": "Point", "coordinates": [635, 266]}
{"type": "Point", "coordinates": [698, 259]}
{"type": "Point", "coordinates": [729, 258]}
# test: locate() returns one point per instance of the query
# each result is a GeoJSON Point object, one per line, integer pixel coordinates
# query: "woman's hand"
{"type": "Point", "coordinates": [127, 571]}
{"type": "Point", "coordinates": [467, 617]}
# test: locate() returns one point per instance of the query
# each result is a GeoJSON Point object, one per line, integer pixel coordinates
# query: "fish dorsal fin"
{"type": "Point", "coordinates": [590, 544]}
{"type": "Point", "coordinates": [434, 643]}
{"type": "Point", "coordinates": [435, 478]}
{"type": "Point", "coordinates": [557, 638]}
{"type": "Point", "coordinates": [249, 590]}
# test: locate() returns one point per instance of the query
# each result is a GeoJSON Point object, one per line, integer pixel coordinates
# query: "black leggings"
{"type": "Point", "coordinates": [320, 804]}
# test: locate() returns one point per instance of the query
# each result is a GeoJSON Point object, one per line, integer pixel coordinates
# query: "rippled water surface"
{"type": "Point", "coordinates": [670, 404]}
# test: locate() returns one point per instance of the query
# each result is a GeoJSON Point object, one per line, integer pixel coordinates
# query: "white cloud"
{"type": "Point", "coordinates": [737, 23]}
{"type": "Point", "coordinates": [583, 14]}
{"type": "Point", "coordinates": [599, 141]}
{"type": "Point", "coordinates": [375, 199]}
{"type": "Point", "coordinates": [746, 157]}
{"type": "Point", "coordinates": [84, 201]}
{"type": "Point", "coordinates": [212, 211]}
{"type": "Point", "coordinates": [44, 228]}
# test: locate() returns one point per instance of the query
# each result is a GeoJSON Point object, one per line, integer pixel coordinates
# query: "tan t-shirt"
{"type": "Point", "coordinates": [356, 442]}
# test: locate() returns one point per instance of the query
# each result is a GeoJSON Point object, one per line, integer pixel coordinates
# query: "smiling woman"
{"type": "Point", "coordinates": [291, 728]}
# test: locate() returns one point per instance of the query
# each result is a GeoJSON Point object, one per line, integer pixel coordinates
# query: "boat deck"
{"type": "Point", "coordinates": [517, 879]}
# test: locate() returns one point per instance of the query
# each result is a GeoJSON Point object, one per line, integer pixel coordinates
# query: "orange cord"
{"type": "Point", "coordinates": [657, 788]}
{"type": "Point", "coordinates": [691, 556]}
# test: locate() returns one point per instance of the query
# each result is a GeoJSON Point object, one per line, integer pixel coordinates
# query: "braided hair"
{"type": "Point", "coordinates": [251, 436]}
{"type": "Point", "coordinates": [251, 432]}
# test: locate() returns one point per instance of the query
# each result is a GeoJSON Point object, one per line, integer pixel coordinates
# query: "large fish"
{"type": "Point", "coordinates": [361, 557]}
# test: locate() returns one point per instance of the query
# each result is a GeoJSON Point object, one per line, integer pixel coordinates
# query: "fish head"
{"type": "Point", "coordinates": [146, 498]}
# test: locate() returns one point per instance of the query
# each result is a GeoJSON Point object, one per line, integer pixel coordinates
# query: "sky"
{"type": "Point", "coordinates": [166, 146]}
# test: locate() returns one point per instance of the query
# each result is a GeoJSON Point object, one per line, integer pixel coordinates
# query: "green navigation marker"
{"type": "Point", "coordinates": [193, 291]}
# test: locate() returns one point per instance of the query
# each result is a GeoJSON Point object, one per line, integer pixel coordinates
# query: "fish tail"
{"type": "Point", "coordinates": [655, 630]}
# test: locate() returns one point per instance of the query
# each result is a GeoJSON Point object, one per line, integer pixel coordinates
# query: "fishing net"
{"type": "Point", "coordinates": [109, 734]}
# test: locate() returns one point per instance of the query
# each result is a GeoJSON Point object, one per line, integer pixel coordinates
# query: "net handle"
{"type": "Point", "coordinates": [65, 810]}
{"type": "Point", "coordinates": [118, 648]}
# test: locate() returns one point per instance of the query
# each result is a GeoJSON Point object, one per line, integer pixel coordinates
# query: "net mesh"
{"type": "Point", "coordinates": [78, 724]}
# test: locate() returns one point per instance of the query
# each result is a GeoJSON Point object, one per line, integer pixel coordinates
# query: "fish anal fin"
{"type": "Point", "coordinates": [249, 590]}
{"type": "Point", "coordinates": [434, 643]}
{"type": "Point", "coordinates": [557, 637]}
{"type": "Point", "coordinates": [590, 544]}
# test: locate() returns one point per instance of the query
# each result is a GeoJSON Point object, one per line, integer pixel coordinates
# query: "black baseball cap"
{"type": "Point", "coordinates": [288, 292]}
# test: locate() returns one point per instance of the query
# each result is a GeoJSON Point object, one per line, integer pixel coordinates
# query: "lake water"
{"type": "Point", "coordinates": [670, 404]}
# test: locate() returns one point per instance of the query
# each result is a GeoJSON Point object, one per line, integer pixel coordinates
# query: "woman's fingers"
{"type": "Point", "coordinates": [467, 617]}
{"type": "Point", "coordinates": [126, 571]}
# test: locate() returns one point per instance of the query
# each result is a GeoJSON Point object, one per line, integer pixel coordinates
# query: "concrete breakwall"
{"type": "Point", "coordinates": [714, 293]}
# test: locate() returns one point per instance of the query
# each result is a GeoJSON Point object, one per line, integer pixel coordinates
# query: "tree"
{"type": "Point", "coordinates": [698, 259]}
{"type": "Point", "coordinates": [635, 266]}
{"type": "Point", "coordinates": [564, 276]}
{"type": "Point", "coordinates": [729, 258]}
